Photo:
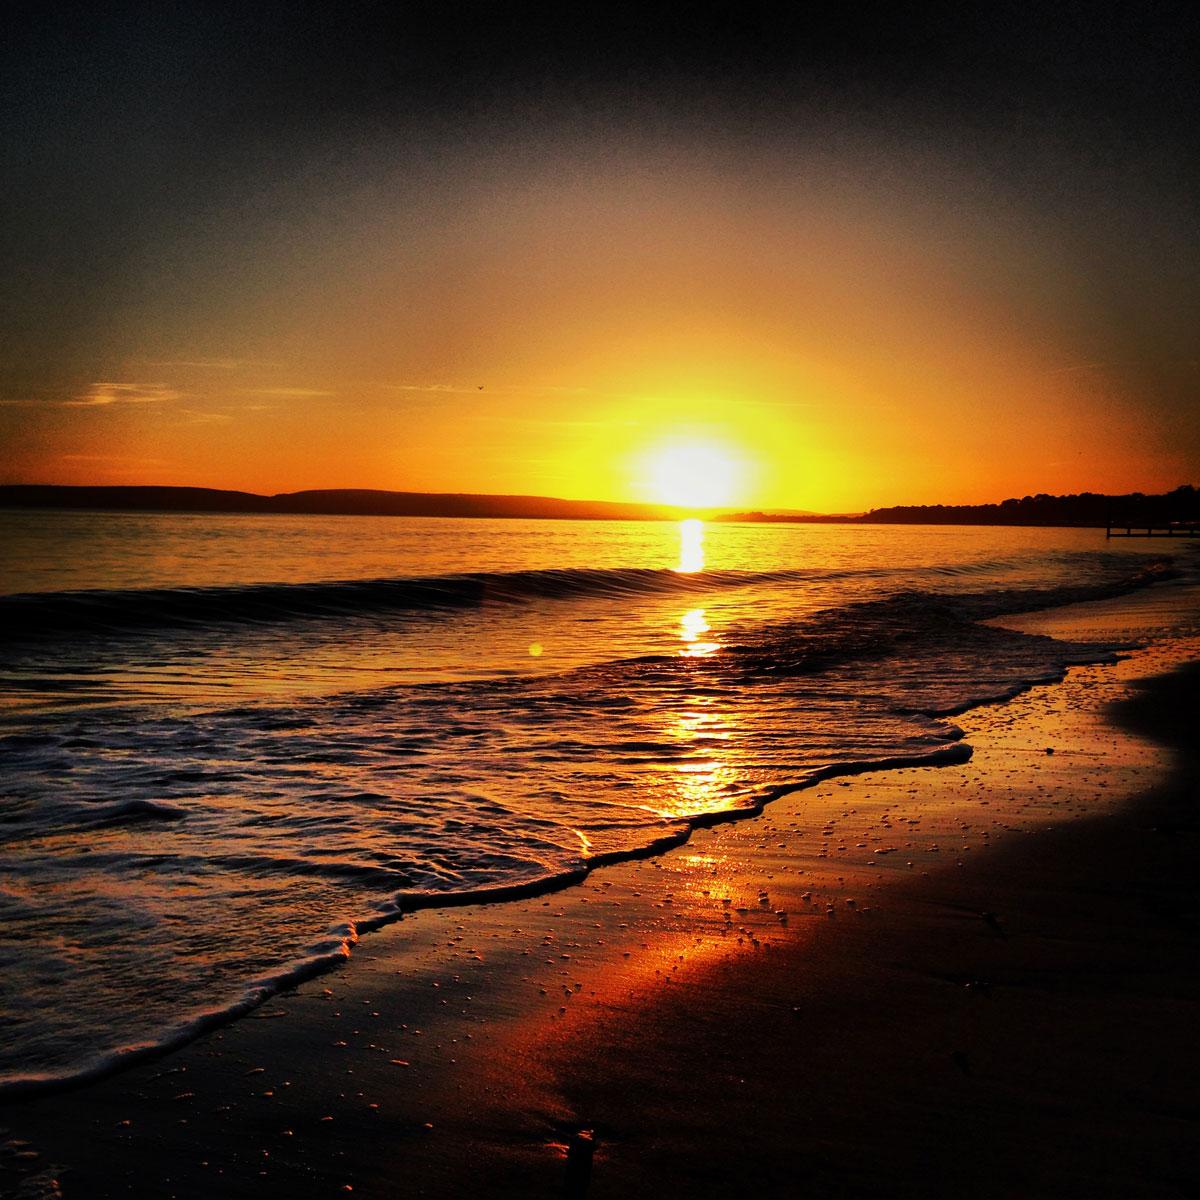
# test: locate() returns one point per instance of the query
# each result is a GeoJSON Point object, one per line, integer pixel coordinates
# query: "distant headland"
{"type": "Point", "coordinates": [358, 502]}
{"type": "Point", "coordinates": [1088, 509]}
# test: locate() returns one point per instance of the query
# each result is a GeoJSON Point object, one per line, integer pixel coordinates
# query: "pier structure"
{"type": "Point", "coordinates": [1141, 529]}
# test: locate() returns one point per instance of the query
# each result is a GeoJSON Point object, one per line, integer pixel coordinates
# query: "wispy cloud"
{"type": "Point", "coordinates": [548, 422]}
{"type": "Point", "coordinates": [296, 393]}
{"type": "Point", "coordinates": [451, 388]}
{"type": "Point", "coordinates": [198, 364]}
{"type": "Point", "coordinates": [782, 404]}
{"type": "Point", "coordinates": [1126, 364]}
{"type": "Point", "coordinates": [552, 388]}
{"type": "Point", "coordinates": [216, 363]}
{"type": "Point", "coordinates": [129, 459]}
{"type": "Point", "coordinates": [102, 394]}
{"type": "Point", "coordinates": [468, 390]}
{"type": "Point", "coordinates": [1082, 368]}
{"type": "Point", "coordinates": [198, 417]}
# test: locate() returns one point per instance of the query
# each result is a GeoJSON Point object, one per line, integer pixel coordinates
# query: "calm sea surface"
{"type": "Point", "coordinates": [231, 743]}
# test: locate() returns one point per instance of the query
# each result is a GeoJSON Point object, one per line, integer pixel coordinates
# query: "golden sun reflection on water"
{"type": "Point", "coordinates": [693, 624]}
{"type": "Point", "coordinates": [692, 627]}
{"type": "Point", "coordinates": [691, 546]}
{"type": "Point", "coordinates": [702, 780]}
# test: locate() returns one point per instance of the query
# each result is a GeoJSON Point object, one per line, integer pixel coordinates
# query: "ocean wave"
{"type": "Point", "coordinates": [135, 609]}
{"type": "Point", "coordinates": [93, 611]}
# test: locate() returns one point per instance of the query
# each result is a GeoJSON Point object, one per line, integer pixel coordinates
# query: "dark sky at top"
{"type": "Point", "coordinates": [189, 93]}
{"type": "Point", "coordinates": [120, 116]}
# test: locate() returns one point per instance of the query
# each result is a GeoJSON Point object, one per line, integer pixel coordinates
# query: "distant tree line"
{"type": "Point", "coordinates": [1087, 508]}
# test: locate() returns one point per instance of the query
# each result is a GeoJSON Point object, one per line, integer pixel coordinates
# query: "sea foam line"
{"type": "Point", "coordinates": [334, 953]}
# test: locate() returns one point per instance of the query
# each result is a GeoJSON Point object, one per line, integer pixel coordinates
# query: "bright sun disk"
{"type": "Point", "coordinates": [694, 476]}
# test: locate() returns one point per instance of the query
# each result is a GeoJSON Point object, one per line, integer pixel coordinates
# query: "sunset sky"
{"type": "Point", "coordinates": [945, 253]}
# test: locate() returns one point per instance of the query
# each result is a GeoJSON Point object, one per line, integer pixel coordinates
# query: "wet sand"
{"type": "Point", "coordinates": [970, 980]}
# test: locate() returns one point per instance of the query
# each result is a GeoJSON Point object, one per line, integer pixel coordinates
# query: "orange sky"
{"type": "Point", "coordinates": [854, 318]}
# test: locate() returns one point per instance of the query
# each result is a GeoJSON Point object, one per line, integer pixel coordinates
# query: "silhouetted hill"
{"type": "Point", "coordinates": [338, 501]}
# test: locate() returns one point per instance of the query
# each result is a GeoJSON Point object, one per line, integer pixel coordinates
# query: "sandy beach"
{"type": "Point", "coordinates": [967, 980]}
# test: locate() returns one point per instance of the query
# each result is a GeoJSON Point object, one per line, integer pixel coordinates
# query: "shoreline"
{"type": "Point", "coordinates": [289, 977]}
{"type": "Point", "coordinates": [1022, 1027]}
{"type": "Point", "coordinates": [497, 1069]}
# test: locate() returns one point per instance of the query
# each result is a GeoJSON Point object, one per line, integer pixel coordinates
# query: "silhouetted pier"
{"type": "Point", "coordinates": [1124, 529]}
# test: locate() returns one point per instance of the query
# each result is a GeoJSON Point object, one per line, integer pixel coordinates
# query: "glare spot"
{"type": "Point", "coordinates": [691, 546]}
{"type": "Point", "coordinates": [692, 627]}
{"type": "Point", "coordinates": [694, 476]}
{"type": "Point", "coordinates": [693, 624]}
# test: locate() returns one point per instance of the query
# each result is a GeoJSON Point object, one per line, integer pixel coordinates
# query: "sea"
{"type": "Point", "coordinates": [230, 746]}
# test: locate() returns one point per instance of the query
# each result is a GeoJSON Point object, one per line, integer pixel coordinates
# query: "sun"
{"type": "Point", "coordinates": [694, 475]}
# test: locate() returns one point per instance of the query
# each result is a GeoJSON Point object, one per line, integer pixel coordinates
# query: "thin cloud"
{"type": "Point", "coordinates": [782, 404]}
{"type": "Point", "coordinates": [103, 394]}
{"type": "Point", "coordinates": [199, 364]}
{"type": "Point", "coordinates": [207, 364]}
{"type": "Point", "coordinates": [1120, 364]}
{"type": "Point", "coordinates": [451, 388]}
{"type": "Point", "coordinates": [460, 389]}
{"type": "Point", "coordinates": [297, 393]}
{"type": "Point", "coordinates": [1082, 368]}
{"type": "Point", "coordinates": [561, 389]}
{"type": "Point", "coordinates": [206, 418]}
{"type": "Point", "coordinates": [115, 458]}
{"type": "Point", "coordinates": [539, 422]}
